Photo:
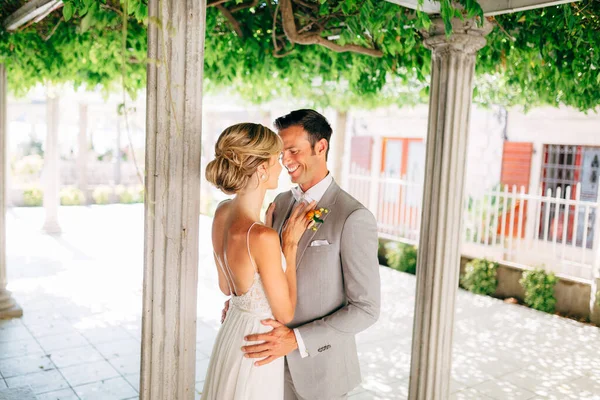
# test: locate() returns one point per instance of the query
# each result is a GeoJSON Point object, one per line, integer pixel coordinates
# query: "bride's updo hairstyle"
{"type": "Point", "coordinates": [239, 151]}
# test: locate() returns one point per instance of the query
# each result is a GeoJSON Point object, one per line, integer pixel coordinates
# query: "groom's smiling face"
{"type": "Point", "coordinates": [306, 165]}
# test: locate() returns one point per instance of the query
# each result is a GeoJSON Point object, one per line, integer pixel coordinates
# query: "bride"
{"type": "Point", "coordinates": [254, 269]}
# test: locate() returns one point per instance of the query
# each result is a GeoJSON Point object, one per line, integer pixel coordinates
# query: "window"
{"type": "Point", "coordinates": [566, 166]}
{"type": "Point", "coordinates": [562, 168]}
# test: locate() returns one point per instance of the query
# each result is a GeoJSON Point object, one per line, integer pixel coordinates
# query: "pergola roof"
{"type": "Point", "coordinates": [37, 10]}
{"type": "Point", "coordinates": [34, 10]}
{"type": "Point", "coordinates": [490, 7]}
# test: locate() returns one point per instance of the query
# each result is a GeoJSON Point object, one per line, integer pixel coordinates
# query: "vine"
{"type": "Point", "coordinates": [543, 56]}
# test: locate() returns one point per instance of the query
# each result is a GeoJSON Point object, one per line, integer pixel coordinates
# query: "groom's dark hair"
{"type": "Point", "coordinates": [315, 125]}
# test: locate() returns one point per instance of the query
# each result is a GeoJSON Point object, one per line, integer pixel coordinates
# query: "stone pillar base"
{"type": "Point", "coordinates": [594, 300]}
{"type": "Point", "coordinates": [52, 227]}
{"type": "Point", "coordinates": [8, 306]}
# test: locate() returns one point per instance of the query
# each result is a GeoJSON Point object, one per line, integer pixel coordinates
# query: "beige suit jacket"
{"type": "Point", "coordinates": [338, 293]}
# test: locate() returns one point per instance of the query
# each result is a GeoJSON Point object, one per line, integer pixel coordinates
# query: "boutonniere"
{"type": "Point", "coordinates": [315, 216]}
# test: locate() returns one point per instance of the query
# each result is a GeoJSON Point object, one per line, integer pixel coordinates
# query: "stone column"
{"type": "Point", "coordinates": [8, 307]}
{"type": "Point", "coordinates": [117, 171]}
{"type": "Point", "coordinates": [173, 138]}
{"type": "Point", "coordinates": [338, 144]}
{"type": "Point", "coordinates": [452, 69]}
{"type": "Point", "coordinates": [595, 299]}
{"type": "Point", "coordinates": [82, 151]}
{"type": "Point", "coordinates": [375, 171]}
{"type": "Point", "coordinates": [595, 291]}
{"type": "Point", "coordinates": [51, 173]}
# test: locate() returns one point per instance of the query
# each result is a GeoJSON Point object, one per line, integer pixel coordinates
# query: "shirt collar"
{"type": "Point", "coordinates": [317, 191]}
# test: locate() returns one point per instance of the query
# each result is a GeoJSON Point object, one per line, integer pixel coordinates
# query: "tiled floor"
{"type": "Point", "coordinates": [80, 335]}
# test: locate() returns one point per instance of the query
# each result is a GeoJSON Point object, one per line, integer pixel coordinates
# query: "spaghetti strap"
{"type": "Point", "coordinates": [223, 264]}
{"type": "Point", "coordinates": [248, 247]}
{"type": "Point", "coordinates": [226, 272]}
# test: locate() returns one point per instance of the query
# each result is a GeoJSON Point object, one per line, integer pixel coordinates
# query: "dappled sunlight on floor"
{"type": "Point", "coordinates": [82, 296]}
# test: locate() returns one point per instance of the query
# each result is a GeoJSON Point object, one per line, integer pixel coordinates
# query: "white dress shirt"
{"type": "Point", "coordinates": [315, 193]}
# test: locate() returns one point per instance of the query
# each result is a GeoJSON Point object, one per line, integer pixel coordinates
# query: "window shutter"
{"type": "Point", "coordinates": [516, 164]}
{"type": "Point", "coordinates": [360, 151]}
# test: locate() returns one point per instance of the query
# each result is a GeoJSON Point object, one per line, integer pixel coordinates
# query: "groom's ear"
{"type": "Point", "coordinates": [321, 147]}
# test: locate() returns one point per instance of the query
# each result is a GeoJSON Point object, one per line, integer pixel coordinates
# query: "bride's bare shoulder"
{"type": "Point", "coordinates": [222, 210]}
{"type": "Point", "coordinates": [263, 237]}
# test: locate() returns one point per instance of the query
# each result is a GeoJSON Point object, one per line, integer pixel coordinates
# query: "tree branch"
{"type": "Point", "coordinates": [243, 6]}
{"type": "Point", "coordinates": [234, 23]}
{"type": "Point", "coordinates": [494, 20]}
{"type": "Point", "coordinates": [274, 30]}
{"type": "Point", "coordinates": [291, 31]}
{"type": "Point", "coordinates": [109, 7]}
{"type": "Point", "coordinates": [46, 38]}
{"type": "Point", "coordinates": [307, 5]}
{"type": "Point", "coordinates": [281, 55]}
{"type": "Point", "coordinates": [216, 3]}
{"type": "Point", "coordinates": [133, 60]}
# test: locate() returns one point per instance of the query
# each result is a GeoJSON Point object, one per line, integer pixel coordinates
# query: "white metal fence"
{"type": "Point", "coordinates": [558, 231]}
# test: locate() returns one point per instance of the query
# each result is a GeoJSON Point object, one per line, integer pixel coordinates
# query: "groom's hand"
{"type": "Point", "coordinates": [277, 343]}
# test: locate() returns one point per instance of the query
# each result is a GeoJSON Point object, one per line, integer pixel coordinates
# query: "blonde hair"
{"type": "Point", "coordinates": [239, 151]}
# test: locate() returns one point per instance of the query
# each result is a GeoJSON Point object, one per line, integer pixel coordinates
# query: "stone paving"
{"type": "Point", "coordinates": [80, 335]}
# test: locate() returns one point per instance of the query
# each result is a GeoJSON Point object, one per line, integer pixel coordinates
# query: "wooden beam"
{"type": "Point", "coordinates": [428, 5]}
{"type": "Point", "coordinates": [33, 10]}
{"type": "Point", "coordinates": [490, 7]}
{"type": "Point", "coordinates": [495, 7]}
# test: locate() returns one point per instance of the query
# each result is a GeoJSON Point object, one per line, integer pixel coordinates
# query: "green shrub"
{"type": "Point", "coordinates": [71, 196]}
{"type": "Point", "coordinates": [101, 194]}
{"type": "Point", "coordinates": [124, 195]}
{"type": "Point", "coordinates": [33, 196]}
{"type": "Point", "coordinates": [480, 277]}
{"type": "Point", "coordinates": [539, 289]}
{"type": "Point", "coordinates": [130, 195]}
{"type": "Point", "coordinates": [140, 193]}
{"type": "Point", "coordinates": [127, 195]}
{"type": "Point", "coordinates": [29, 165]}
{"type": "Point", "coordinates": [381, 252]}
{"type": "Point", "coordinates": [401, 257]}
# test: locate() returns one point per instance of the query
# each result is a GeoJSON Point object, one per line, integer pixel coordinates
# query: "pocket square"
{"type": "Point", "coordinates": [316, 243]}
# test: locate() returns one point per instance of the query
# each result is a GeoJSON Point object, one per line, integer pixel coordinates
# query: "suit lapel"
{"type": "Point", "coordinates": [287, 206]}
{"type": "Point", "coordinates": [327, 201]}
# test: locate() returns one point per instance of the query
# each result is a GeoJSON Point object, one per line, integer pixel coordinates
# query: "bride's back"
{"type": "Point", "coordinates": [230, 235]}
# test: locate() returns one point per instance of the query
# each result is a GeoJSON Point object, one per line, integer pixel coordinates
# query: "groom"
{"type": "Point", "coordinates": [337, 272]}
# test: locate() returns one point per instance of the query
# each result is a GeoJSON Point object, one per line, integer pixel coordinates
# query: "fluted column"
{"type": "Point", "coordinates": [452, 69]}
{"type": "Point", "coordinates": [82, 151]}
{"type": "Point", "coordinates": [173, 138]}
{"type": "Point", "coordinates": [51, 173]}
{"type": "Point", "coordinates": [8, 307]}
{"type": "Point", "coordinates": [595, 291]}
{"type": "Point", "coordinates": [338, 145]}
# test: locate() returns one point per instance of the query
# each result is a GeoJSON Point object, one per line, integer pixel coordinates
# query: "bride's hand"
{"type": "Point", "coordinates": [297, 224]}
{"type": "Point", "coordinates": [269, 215]}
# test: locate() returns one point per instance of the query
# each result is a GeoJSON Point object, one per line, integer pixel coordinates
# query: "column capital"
{"type": "Point", "coordinates": [467, 36]}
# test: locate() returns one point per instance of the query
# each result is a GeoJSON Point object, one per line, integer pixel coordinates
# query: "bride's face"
{"type": "Point", "coordinates": [274, 172]}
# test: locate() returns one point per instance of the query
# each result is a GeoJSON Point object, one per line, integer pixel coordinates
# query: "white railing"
{"type": "Point", "coordinates": [558, 231]}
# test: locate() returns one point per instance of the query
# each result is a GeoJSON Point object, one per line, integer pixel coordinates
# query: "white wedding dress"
{"type": "Point", "coordinates": [230, 375]}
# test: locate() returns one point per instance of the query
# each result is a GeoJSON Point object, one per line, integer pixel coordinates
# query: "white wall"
{"type": "Point", "coordinates": [552, 126]}
{"type": "Point", "coordinates": [485, 140]}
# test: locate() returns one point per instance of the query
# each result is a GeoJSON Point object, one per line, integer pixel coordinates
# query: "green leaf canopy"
{"type": "Point", "coordinates": [353, 53]}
